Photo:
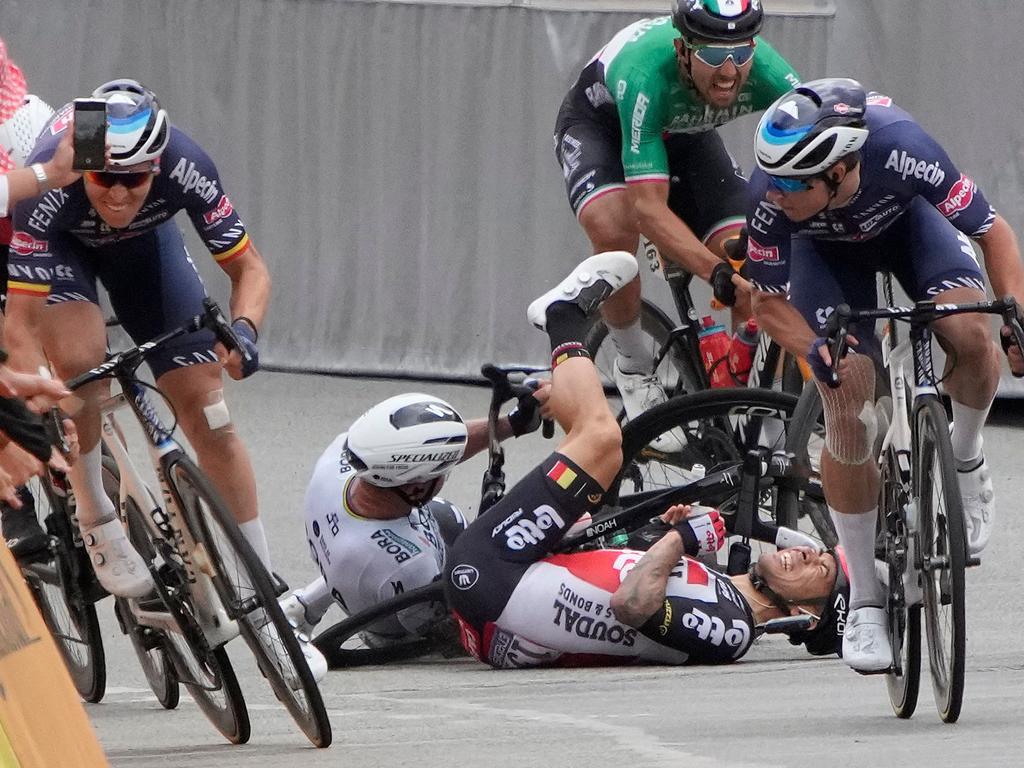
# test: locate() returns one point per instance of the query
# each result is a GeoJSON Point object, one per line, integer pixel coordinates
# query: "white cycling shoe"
{"type": "Point", "coordinates": [119, 568]}
{"type": "Point", "coordinates": [295, 611]}
{"type": "Point", "coordinates": [979, 506]}
{"type": "Point", "coordinates": [594, 280]}
{"type": "Point", "coordinates": [866, 641]}
{"type": "Point", "coordinates": [640, 393]}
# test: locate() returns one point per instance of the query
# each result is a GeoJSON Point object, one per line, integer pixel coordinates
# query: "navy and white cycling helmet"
{"type": "Point", "coordinates": [725, 21]}
{"type": "Point", "coordinates": [137, 128]}
{"type": "Point", "coordinates": [807, 130]}
{"type": "Point", "coordinates": [408, 438]}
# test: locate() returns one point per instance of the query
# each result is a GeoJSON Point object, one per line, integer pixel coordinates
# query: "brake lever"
{"type": "Point", "coordinates": [214, 320]}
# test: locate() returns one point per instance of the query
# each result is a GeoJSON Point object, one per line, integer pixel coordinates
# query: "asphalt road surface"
{"type": "Point", "coordinates": [777, 707]}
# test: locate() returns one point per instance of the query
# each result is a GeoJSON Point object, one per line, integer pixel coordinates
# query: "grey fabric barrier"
{"type": "Point", "coordinates": [394, 161]}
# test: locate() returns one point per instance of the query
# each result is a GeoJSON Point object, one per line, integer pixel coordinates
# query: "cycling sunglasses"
{"type": "Point", "coordinates": [107, 179]}
{"type": "Point", "coordinates": [716, 55]}
{"type": "Point", "coordinates": [787, 184]}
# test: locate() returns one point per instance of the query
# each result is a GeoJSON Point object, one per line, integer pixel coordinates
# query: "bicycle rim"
{"type": "Point", "coordinates": [942, 542]}
{"type": "Point", "coordinates": [244, 586]}
{"type": "Point", "coordinates": [714, 427]}
{"type": "Point", "coordinates": [904, 683]}
{"type": "Point", "coordinates": [71, 620]}
{"type": "Point", "coordinates": [211, 682]}
{"type": "Point", "coordinates": [674, 372]}
{"type": "Point", "coordinates": [148, 643]}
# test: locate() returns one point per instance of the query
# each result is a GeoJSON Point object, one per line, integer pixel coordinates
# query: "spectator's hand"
{"type": "Point", "coordinates": [71, 436]}
{"type": "Point", "coordinates": [58, 168]}
{"type": "Point", "coordinates": [39, 393]}
{"type": "Point", "coordinates": [234, 364]}
{"type": "Point", "coordinates": [19, 464]}
{"type": "Point", "coordinates": [9, 490]}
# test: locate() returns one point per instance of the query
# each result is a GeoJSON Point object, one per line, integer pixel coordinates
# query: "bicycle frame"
{"type": "Point", "coordinates": [164, 522]}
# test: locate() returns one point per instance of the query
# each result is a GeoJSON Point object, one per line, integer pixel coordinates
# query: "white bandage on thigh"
{"type": "Point", "coordinates": [216, 413]}
{"type": "Point", "coordinates": [850, 421]}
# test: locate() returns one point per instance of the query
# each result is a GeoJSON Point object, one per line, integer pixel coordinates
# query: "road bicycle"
{"type": "Point", "coordinates": [675, 346]}
{"type": "Point", "coordinates": [64, 586]}
{"type": "Point", "coordinates": [745, 486]}
{"type": "Point", "coordinates": [209, 584]}
{"type": "Point", "coordinates": [921, 528]}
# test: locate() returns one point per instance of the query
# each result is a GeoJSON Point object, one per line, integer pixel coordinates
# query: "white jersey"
{"type": "Point", "coordinates": [365, 561]}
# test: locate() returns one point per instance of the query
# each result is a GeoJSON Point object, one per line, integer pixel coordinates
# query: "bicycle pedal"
{"type": "Point", "coordinates": [973, 560]}
{"type": "Point", "coordinates": [873, 672]}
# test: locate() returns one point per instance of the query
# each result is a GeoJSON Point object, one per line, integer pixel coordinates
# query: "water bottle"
{"type": "Point", "coordinates": [741, 351]}
{"type": "Point", "coordinates": [714, 351]}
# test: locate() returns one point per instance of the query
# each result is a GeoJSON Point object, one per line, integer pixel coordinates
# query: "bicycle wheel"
{"type": "Point", "coordinates": [943, 551]}
{"type": "Point", "coordinates": [904, 682]}
{"type": "Point", "coordinates": [149, 643]}
{"type": "Point", "coordinates": [675, 372]}
{"type": "Point", "coordinates": [57, 585]}
{"type": "Point", "coordinates": [244, 587]}
{"type": "Point", "coordinates": [718, 427]}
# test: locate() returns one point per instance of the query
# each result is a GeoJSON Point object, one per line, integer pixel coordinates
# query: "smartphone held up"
{"type": "Point", "coordinates": [90, 139]}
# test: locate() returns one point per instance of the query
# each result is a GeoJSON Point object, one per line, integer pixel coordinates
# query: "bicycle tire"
{"type": "Point", "coordinates": [148, 643]}
{"type": "Point", "coordinates": [719, 426]}
{"type": "Point", "coordinates": [943, 547]}
{"type": "Point", "coordinates": [676, 371]}
{"type": "Point", "coordinates": [904, 682]}
{"type": "Point", "coordinates": [56, 587]}
{"type": "Point", "coordinates": [245, 588]}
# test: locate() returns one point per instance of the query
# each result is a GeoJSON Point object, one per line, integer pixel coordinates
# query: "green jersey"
{"type": "Point", "coordinates": [636, 74]}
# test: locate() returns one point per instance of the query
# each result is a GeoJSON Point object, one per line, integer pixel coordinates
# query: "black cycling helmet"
{"type": "Point", "coordinates": [724, 21]}
{"type": "Point", "coordinates": [827, 636]}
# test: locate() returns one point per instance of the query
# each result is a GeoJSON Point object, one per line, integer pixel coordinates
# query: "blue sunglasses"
{"type": "Point", "coordinates": [716, 55]}
{"type": "Point", "coordinates": [786, 184]}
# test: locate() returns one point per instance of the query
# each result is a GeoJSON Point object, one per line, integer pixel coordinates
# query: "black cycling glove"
{"type": "Point", "coordinates": [25, 428]}
{"type": "Point", "coordinates": [721, 283]}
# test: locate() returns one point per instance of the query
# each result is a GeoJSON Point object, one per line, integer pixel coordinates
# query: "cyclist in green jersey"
{"type": "Point", "coordinates": [640, 154]}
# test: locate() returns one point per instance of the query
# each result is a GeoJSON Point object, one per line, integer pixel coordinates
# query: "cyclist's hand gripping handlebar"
{"type": "Point", "coordinates": [236, 337]}
{"type": "Point", "coordinates": [837, 342]}
{"type": "Point", "coordinates": [1011, 336]}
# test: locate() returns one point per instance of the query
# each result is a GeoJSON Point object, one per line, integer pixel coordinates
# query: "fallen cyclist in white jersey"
{"type": "Point", "coordinates": [516, 604]}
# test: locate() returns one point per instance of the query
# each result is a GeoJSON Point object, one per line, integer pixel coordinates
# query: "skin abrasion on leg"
{"type": "Point", "coordinates": [851, 423]}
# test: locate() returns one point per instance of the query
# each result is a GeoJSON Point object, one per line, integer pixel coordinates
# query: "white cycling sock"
{"type": "Point", "coordinates": [966, 435]}
{"type": "Point", "coordinates": [92, 505]}
{"type": "Point", "coordinates": [857, 537]}
{"type": "Point", "coordinates": [317, 598]}
{"type": "Point", "coordinates": [257, 538]}
{"type": "Point", "coordinates": [634, 348]}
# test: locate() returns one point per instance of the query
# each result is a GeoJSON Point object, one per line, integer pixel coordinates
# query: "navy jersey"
{"type": "Point", "coordinates": [188, 181]}
{"type": "Point", "coordinates": [899, 163]}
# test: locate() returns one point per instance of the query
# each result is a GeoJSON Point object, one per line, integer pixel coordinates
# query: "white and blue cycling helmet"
{"type": "Point", "coordinates": [807, 130]}
{"type": "Point", "coordinates": [137, 128]}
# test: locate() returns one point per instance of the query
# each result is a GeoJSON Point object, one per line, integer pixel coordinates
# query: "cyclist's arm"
{"type": "Point", "coordinates": [1002, 260]}
{"type": "Point", "coordinates": [782, 322]}
{"type": "Point", "coordinates": [674, 239]}
{"type": "Point", "coordinates": [642, 593]}
{"type": "Point", "coordinates": [23, 318]}
{"type": "Point", "coordinates": [250, 285]}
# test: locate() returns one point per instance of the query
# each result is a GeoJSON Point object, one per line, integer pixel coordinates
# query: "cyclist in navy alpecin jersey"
{"type": "Point", "coordinates": [849, 185]}
{"type": "Point", "coordinates": [116, 226]}
{"type": "Point", "coordinates": [518, 605]}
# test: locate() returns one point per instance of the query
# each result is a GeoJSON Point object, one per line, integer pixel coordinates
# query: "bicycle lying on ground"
{"type": "Point", "coordinates": [210, 585]}
{"type": "Point", "coordinates": [748, 481]}
{"type": "Point", "coordinates": [921, 521]}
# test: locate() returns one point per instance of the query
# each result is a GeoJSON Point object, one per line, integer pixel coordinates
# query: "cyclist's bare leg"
{"type": "Point", "coordinates": [220, 451]}
{"type": "Point", "coordinates": [75, 339]}
{"type": "Point", "coordinates": [593, 438]}
{"type": "Point", "coordinates": [971, 373]}
{"type": "Point", "coordinates": [610, 224]}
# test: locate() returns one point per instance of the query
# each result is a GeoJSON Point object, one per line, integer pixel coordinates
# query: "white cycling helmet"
{"type": "Point", "coordinates": [408, 438]}
{"type": "Point", "coordinates": [19, 132]}
{"type": "Point", "coordinates": [807, 130]}
{"type": "Point", "coordinates": [137, 128]}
